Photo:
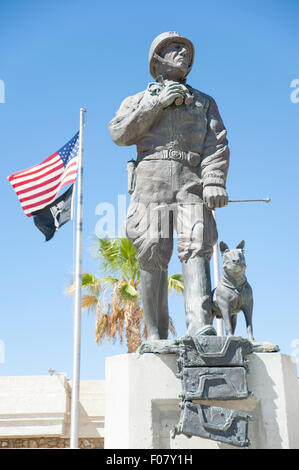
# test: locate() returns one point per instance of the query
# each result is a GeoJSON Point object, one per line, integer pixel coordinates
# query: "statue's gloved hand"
{"type": "Point", "coordinates": [215, 196]}
{"type": "Point", "coordinates": [170, 93]}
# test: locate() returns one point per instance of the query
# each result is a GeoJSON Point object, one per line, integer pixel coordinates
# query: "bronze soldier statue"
{"type": "Point", "coordinates": [180, 177]}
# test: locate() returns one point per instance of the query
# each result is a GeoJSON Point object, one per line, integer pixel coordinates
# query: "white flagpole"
{"type": "Point", "coordinates": [216, 272]}
{"type": "Point", "coordinates": [77, 302]}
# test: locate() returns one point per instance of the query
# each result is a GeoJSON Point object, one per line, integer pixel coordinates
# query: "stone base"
{"type": "Point", "coordinates": [142, 403]}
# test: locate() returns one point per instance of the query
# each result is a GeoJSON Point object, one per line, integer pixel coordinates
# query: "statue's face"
{"type": "Point", "coordinates": [177, 54]}
{"type": "Point", "coordinates": [234, 262]}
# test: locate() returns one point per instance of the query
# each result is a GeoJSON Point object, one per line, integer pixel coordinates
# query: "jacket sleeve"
{"type": "Point", "coordinates": [134, 117]}
{"type": "Point", "coordinates": [214, 166]}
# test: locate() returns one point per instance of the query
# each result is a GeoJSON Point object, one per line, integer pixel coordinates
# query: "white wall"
{"type": "Point", "coordinates": [40, 406]}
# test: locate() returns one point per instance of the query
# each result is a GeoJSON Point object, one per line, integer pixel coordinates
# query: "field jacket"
{"type": "Point", "coordinates": [196, 127]}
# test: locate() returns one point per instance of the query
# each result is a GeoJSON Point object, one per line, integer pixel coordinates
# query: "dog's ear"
{"type": "Point", "coordinates": [241, 245]}
{"type": "Point", "coordinates": [223, 247]}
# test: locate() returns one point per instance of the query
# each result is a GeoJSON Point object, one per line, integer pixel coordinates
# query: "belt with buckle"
{"type": "Point", "coordinates": [192, 158]}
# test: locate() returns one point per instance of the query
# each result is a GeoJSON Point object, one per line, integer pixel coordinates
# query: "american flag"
{"type": "Point", "coordinates": [39, 185]}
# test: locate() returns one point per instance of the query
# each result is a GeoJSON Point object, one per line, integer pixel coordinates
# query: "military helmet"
{"type": "Point", "coordinates": [161, 40]}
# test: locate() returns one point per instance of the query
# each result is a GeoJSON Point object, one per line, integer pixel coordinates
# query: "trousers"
{"type": "Point", "coordinates": [168, 198]}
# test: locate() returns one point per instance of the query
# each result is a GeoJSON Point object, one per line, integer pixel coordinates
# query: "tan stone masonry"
{"type": "Point", "coordinates": [50, 443]}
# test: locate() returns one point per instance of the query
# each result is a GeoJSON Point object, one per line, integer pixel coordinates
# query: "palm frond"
{"type": "Point", "coordinates": [176, 283]}
{"type": "Point", "coordinates": [89, 282]}
{"type": "Point", "coordinates": [108, 280]}
{"type": "Point", "coordinates": [171, 326]}
{"type": "Point", "coordinates": [128, 292]}
{"type": "Point", "coordinates": [70, 289]}
{"type": "Point", "coordinates": [101, 329]}
{"type": "Point", "coordinates": [129, 265]}
{"type": "Point", "coordinates": [132, 324]}
{"type": "Point", "coordinates": [108, 254]}
{"type": "Point", "coordinates": [90, 302]}
{"type": "Point", "coordinates": [126, 248]}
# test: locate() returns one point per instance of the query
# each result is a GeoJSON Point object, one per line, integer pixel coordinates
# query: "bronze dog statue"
{"type": "Point", "coordinates": [233, 293]}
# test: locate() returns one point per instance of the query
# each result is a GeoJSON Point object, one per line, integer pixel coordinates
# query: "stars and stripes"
{"type": "Point", "coordinates": [38, 186]}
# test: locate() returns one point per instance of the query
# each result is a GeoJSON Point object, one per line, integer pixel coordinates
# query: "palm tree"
{"type": "Point", "coordinates": [116, 296]}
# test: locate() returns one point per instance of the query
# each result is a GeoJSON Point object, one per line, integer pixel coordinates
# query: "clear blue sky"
{"type": "Point", "coordinates": [58, 56]}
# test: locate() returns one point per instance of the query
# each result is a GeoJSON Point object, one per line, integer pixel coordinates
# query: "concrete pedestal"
{"type": "Point", "coordinates": [142, 403]}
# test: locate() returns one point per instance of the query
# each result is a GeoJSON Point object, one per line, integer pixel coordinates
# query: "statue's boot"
{"type": "Point", "coordinates": [154, 291]}
{"type": "Point", "coordinates": [197, 295]}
